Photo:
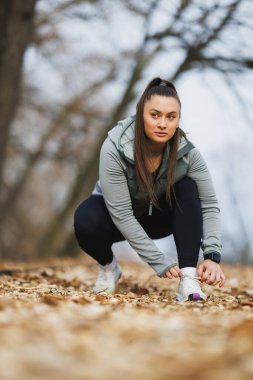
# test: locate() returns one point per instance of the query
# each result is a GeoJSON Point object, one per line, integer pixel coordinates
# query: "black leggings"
{"type": "Point", "coordinates": [96, 232]}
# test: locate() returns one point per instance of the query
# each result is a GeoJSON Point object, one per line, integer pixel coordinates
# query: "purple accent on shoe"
{"type": "Point", "coordinates": [194, 297]}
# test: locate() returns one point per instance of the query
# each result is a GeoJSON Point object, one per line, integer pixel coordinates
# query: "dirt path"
{"type": "Point", "coordinates": [52, 327]}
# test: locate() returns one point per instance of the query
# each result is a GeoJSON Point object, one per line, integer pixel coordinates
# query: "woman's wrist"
{"type": "Point", "coordinates": [213, 256]}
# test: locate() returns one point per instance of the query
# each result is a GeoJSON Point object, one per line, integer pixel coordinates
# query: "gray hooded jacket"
{"type": "Point", "coordinates": [117, 185]}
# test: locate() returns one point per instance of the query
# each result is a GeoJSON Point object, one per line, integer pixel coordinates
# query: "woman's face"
{"type": "Point", "coordinates": [161, 118]}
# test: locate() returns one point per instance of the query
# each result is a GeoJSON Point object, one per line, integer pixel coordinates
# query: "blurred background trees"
{"type": "Point", "coordinates": [15, 20]}
{"type": "Point", "coordinates": [85, 64]}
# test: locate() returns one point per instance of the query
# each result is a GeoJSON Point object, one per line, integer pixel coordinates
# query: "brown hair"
{"type": "Point", "coordinates": [161, 87]}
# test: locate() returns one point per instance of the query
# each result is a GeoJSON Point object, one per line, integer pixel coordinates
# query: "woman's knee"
{"type": "Point", "coordinates": [187, 195]}
{"type": "Point", "coordinates": [85, 218]}
{"type": "Point", "coordinates": [80, 222]}
{"type": "Point", "coordinates": [186, 188]}
{"type": "Point", "coordinates": [91, 216]}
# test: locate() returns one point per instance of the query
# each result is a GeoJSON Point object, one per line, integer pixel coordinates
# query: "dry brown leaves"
{"type": "Point", "coordinates": [53, 327]}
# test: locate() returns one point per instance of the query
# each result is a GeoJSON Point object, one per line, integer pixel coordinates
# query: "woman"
{"type": "Point", "coordinates": [153, 183]}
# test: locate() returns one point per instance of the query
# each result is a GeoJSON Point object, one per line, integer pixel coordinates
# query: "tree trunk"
{"type": "Point", "coordinates": [15, 33]}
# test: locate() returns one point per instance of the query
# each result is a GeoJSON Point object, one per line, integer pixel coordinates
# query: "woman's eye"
{"type": "Point", "coordinates": [171, 117]}
{"type": "Point", "coordinates": [154, 115]}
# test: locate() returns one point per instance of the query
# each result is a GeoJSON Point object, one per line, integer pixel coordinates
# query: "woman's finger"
{"type": "Point", "coordinates": [206, 275]}
{"type": "Point", "coordinates": [218, 279]}
{"type": "Point", "coordinates": [168, 275]}
{"type": "Point", "coordinates": [209, 281]}
{"type": "Point", "coordinates": [213, 276]}
{"type": "Point", "coordinates": [201, 270]}
{"type": "Point", "coordinates": [223, 279]}
{"type": "Point", "coordinates": [174, 272]}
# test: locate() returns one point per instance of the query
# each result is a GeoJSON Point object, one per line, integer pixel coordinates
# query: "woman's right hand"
{"type": "Point", "coordinates": [173, 272]}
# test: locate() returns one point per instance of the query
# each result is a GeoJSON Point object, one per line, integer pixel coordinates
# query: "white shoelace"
{"type": "Point", "coordinates": [191, 283]}
{"type": "Point", "coordinates": [195, 278]}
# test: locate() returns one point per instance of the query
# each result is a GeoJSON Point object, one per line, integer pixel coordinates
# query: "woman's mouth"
{"type": "Point", "coordinates": [160, 134]}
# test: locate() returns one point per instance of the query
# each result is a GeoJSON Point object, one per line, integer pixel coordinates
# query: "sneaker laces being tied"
{"type": "Point", "coordinates": [195, 278]}
{"type": "Point", "coordinates": [195, 286]}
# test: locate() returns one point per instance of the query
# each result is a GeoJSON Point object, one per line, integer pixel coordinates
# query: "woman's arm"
{"type": "Point", "coordinates": [198, 171]}
{"type": "Point", "coordinates": [117, 199]}
{"type": "Point", "coordinates": [209, 271]}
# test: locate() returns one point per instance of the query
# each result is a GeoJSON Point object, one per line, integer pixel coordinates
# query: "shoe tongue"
{"type": "Point", "coordinates": [191, 271]}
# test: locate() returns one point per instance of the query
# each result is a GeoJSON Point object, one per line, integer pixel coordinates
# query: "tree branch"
{"type": "Point", "coordinates": [72, 106]}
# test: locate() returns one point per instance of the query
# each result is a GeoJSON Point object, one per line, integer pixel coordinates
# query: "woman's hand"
{"type": "Point", "coordinates": [211, 273]}
{"type": "Point", "coordinates": [173, 272]}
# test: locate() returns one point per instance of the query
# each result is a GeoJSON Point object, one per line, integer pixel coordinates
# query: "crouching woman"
{"type": "Point", "coordinates": [153, 182]}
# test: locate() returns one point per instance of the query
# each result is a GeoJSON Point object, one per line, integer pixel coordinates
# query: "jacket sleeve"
{"type": "Point", "coordinates": [117, 198]}
{"type": "Point", "coordinates": [198, 171]}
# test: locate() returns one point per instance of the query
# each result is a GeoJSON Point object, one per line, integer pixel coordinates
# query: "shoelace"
{"type": "Point", "coordinates": [195, 278]}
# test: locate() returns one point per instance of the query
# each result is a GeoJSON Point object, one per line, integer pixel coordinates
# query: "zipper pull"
{"type": "Point", "coordinates": [150, 208]}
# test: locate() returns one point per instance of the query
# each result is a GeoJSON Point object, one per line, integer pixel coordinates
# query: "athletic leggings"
{"type": "Point", "coordinates": [96, 232]}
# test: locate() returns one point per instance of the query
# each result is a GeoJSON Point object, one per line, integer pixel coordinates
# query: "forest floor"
{"type": "Point", "coordinates": [53, 327]}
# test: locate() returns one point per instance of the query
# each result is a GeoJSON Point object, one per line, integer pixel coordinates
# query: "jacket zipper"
{"type": "Point", "coordinates": [150, 208]}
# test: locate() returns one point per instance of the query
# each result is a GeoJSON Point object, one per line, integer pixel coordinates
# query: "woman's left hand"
{"type": "Point", "coordinates": [211, 273]}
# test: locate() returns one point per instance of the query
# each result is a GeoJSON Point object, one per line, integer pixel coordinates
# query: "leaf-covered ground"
{"type": "Point", "coordinates": [53, 327]}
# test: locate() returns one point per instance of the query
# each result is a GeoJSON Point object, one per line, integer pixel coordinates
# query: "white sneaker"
{"type": "Point", "coordinates": [189, 287]}
{"type": "Point", "coordinates": [108, 275]}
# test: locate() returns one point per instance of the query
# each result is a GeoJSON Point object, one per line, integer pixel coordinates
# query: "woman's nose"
{"type": "Point", "coordinates": [162, 123]}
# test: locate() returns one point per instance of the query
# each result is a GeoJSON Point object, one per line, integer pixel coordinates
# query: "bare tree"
{"type": "Point", "coordinates": [16, 19]}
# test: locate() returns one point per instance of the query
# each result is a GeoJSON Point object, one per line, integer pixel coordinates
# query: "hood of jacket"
{"type": "Point", "coordinates": [122, 135]}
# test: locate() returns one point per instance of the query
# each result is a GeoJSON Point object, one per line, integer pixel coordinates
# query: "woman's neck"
{"type": "Point", "coordinates": [155, 156]}
{"type": "Point", "coordinates": [156, 150]}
